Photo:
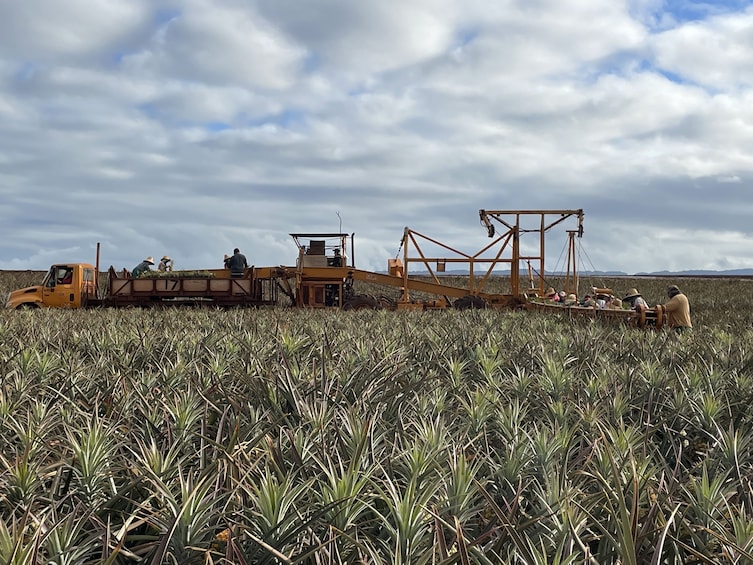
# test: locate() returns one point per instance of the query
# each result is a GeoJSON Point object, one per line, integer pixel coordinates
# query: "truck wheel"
{"type": "Point", "coordinates": [469, 302]}
{"type": "Point", "coordinates": [28, 306]}
{"type": "Point", "coordinates": [361, 302]}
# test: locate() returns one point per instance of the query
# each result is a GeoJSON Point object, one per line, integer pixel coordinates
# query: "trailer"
{"type": "Point", "coordinates": [212, 287]}
{"type": "Point", "coordinates": [75, 285]}
{"type": "Point", "coordinates": [324, 276]}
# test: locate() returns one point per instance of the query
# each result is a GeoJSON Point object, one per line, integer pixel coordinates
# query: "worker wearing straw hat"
{"type": "Point", "coordinates": [634, 299]}
{"type": "Point", "coordinates": [165, 264]}
{"type": "Point", "coordinates": [143, 267]}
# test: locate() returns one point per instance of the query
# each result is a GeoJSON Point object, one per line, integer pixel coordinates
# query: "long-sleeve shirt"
{"type": "Point", "coordinates": [237, 263]}
{"type": "Point", "coordinates": [141, 268]}
{"type": "Point", "coordinates": [678, 312]}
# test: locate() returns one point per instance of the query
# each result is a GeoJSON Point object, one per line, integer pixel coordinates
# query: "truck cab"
{"type": "Point", "coordinates": [68, 285]}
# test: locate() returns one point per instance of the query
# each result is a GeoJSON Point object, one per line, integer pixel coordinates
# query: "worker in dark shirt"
{"type": "Point", "coordinates": [143, 267]}
{"type": "Point", "coordinates": [237, 263]}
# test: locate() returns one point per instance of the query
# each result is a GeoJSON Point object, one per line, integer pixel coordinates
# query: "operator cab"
{"type": "Point", "coordinates": [322, 267]}
{"type": "Point", "coordinates": [322, 249]}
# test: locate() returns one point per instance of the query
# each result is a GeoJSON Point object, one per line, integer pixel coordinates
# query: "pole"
{"type": "Point", "coordinates": [96, 274]}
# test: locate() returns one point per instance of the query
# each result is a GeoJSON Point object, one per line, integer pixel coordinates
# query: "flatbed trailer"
{"type": "Point", "coordinates": [211, 287]}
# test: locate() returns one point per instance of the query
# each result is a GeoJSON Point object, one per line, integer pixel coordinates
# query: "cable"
{"type": "Point", "coordinates": [581, 253]}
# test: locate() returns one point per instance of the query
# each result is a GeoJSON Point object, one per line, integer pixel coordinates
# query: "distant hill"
{"type": "Point", "coordinates": [701, 273]}
{"type": "Point", "coordinates": [686, 273]}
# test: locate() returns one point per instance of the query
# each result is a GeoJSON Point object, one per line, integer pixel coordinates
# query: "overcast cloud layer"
{"type": "Point", "coordinates": [190, 127]}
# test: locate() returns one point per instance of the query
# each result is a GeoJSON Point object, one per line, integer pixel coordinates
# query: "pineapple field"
{"type": "Point", "coordinates": [285, 436]}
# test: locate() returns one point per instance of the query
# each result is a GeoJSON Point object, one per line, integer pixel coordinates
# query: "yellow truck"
{"type": "Point", "coordinates": [69, 285]}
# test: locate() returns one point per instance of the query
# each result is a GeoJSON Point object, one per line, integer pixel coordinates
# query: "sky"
{"type": "Point", "coordinates": [190, 127]}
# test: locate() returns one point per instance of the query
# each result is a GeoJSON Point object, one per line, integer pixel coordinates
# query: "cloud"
{"type": "Point", "coordinates": [714, 53]}
{"type": "Point", "coordinates": [219, 43]}
{"type": "Point", "coordinates": [50, 32]}
{"type": "Point", "coordinates": [189, 127]}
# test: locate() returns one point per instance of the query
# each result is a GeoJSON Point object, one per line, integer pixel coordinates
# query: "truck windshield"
{"type": "Point", "coordinates": [49, 278]}
{"type": "Point", "coordinates": [58, 275]}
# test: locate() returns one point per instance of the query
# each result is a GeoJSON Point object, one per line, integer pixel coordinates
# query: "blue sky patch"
{"type": "Point", "coordinates": [217, 126]}
{"type": "Point", "coordinates": [26, 71]}
{"type": "Point", "coordinates": [691, 10]}
{"type": "Point", "coordinates": [162, 17]}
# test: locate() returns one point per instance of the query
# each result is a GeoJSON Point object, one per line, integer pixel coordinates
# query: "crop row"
{"type": "Point", "coordinates": [285, 436]}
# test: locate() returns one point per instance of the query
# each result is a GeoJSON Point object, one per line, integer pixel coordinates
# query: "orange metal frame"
{"type": "Point", "coordinates": [508, 240]}
{"type": "Point", "coordinates": [547, 219]}
{"type": "Point", "coordinates": [411, 241]}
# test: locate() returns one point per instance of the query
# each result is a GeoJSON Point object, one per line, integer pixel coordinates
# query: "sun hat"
{"type": "Point", "coordinates": [616, 303]}
{"type": "Point", "coordinates": [550, 292]}
{"type": "Point", "coordinates": [149, 260]}
{"type": "Point", "coordinates": [227, 256]}
{"type": "Point", "coordinates": [166, 258]}
{"type": "Point", "coordinates": [631, 293]}
{"type": "Point", "coordinates": [572, 297]}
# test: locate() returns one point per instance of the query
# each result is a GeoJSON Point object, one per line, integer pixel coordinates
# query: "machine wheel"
{"type": "Point", "coordinates": [641, 321]}
{"type": "Point", "coordinates": [469, 302]}
{"type": "Point", "coordinates": [361, 302]}
{"type": "Point", "coordinates": [28, 306]}
{"type": "Point", "coordinates": [659, 316]}
{"type": "Point", "coordinates": [387, 303]}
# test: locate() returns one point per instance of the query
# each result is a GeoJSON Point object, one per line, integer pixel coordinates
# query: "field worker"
{"type": "Point", "coordinates": [143, 267]}
{"type": "Point", "coordinates": [337, 260]}
{"type": "Point", "coordinates": [165, 264]}
{"type": "Point", "coordinates": [634, 299]}
{"type": "Point", "coordinates": [67, 277]}
{"type": "Point", "coordinates": [226, 261]}
{"type": "Point", "coordinates": [237, 263]}
{"type": "Point", "coordinates": [602, 300]}
{"type": "Point", "coordinates": [550, 293]}
{"type": "Point", "coordinates": [678, 310]}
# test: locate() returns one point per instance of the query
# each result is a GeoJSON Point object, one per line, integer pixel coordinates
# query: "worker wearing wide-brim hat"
{"type": "Point", "coordinates": [550, 293]}
{"type": "Point", "coordinates": [143, 267]}
{"type": "Point", "coordinates": [165, 264]}
{"type": "Point", "coordinates": [634, 299]}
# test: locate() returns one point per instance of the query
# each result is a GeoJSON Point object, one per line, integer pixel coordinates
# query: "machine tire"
{"type": "Point", "coordinates": [469, 302]}
{"type": "Point", "coordinates": [361, 302]}
{"type": "Point", "coordinates": [28, 306]}
{"type": "Point", "coordinates": [386, 303]}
